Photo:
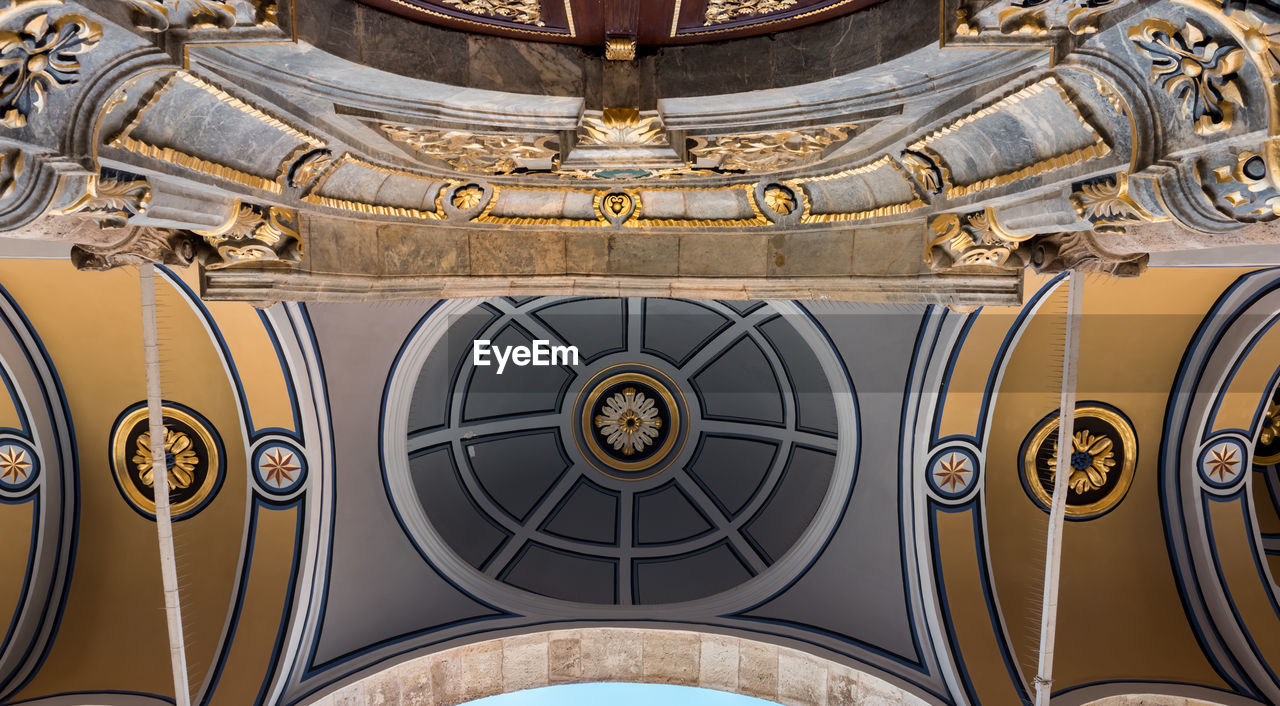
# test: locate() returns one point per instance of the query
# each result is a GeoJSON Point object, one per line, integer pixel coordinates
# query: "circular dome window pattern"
{"type": "Point", "coordinates": [665, 451]}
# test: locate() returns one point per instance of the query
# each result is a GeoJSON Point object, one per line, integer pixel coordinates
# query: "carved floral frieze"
{"type": "Point", "coordinates": [527, 12]}
{"type": "Point", "coordinates": [721, 11]}
{"type": "Point", "coordinates": [770, 151]}
{"type": "Point", "coordinates": [473, 152]}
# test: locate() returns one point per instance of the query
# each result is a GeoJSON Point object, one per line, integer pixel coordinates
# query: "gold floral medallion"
{"type": "Point", "coordinates": [630, 421]}
{"type": "Point", "coordinates": [1267, 451]}
{"type": "Point", "coordinates": [1102, 458]}
{"type": "Point", "coordinates": [192, 455]}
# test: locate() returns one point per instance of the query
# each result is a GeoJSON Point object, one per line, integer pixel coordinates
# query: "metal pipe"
{"type": "Point", "coordinates": [1058, 509]}
{"type": "Point", "coordinates": [160, 479]}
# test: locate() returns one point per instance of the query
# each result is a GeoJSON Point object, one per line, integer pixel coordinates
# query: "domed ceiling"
{"type": "Point", "coordinates": [689, 450]}
{"type": "Point", "coordinates": [649, 22]}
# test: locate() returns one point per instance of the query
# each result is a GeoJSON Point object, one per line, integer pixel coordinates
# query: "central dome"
{"type": "Point", "coordinates": [683, 450]}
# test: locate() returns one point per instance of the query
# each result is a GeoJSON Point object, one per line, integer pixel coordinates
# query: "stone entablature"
{"type": "Point", "coordinates": [219, 124]}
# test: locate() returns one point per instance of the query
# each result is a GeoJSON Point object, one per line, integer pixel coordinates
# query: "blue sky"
{"type": "Point", "coordinates": [620, 695]}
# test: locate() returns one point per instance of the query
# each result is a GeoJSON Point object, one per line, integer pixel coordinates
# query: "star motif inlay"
{"type": "Point", "coordinates": [1222, 463]}
{"type": "Point", "coordinates": [14, 466]}
{"type": "Point", "coordinates": [950, 472]}
{"type": "Point", "coordinates": [278, 467]}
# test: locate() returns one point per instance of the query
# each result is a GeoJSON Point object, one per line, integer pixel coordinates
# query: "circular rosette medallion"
{"type": "Point", "coordinates": [19, 465]}
{"type": "Point", "coordinates": [632, 422]}
{"type": "Point", "coordinates": [193, 459]}
{"type": "Point", "coordinates": [1103, 455]}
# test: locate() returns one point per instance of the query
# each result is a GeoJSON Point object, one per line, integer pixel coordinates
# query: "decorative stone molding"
{"type": "Point", "coordinates": [1080, 251]}
{"type": "Point", "coordinates": [996, 149]}
{"type": "Point", "coordinates": [41, 56]}
{"type": "Point", "coordinates": [720, 662]}
{"type": "Point", "coordinates": [163, 15]}
{"type": "Point", "coordinates": [140, 245]}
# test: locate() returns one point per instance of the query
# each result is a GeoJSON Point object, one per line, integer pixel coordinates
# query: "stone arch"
{"type": "Point", "coordinates": [680, 657]}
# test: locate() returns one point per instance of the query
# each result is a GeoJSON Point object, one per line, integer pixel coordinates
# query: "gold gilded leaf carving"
{"type": "Point", "coordinates": [475, 153]}
{"type": "Point", "coordinates": [721, 11]}
{"type": "Point", "coordinates": [773, 150]}
{"type": "Point", "coordinates": [527, 12]}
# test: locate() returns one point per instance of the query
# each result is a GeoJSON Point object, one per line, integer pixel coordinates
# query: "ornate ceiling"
{"type": "Point", "coordinates": [650, 23]}
{"type": "Point", "coordinates": [846, 483]}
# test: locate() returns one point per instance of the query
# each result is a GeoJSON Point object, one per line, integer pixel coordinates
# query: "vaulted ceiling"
{"type": "Point", "coordinates": [857, 482]}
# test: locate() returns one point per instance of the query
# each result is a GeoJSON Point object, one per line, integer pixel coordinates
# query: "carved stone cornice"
{"type": "Point", "coordinates": [138, 246]}
{"type": "Point", "coordinates": [1081, 252]}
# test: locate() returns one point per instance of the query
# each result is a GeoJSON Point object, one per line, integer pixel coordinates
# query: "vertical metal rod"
{"type": "Point", "coordinates": [160, 478]}
{"type": "Point", "coordinates": [1058, 510]}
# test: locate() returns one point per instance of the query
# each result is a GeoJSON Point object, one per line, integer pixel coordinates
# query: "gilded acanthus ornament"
{"type": "Point", "coordinates": [471, 152]}
{"type": "Point", "coordinates": [770, 151]}
{"type": "Point", "coordinates": [307, 168]}
{"type": "Point", "coordinates": [254, 234]}
{"type": "Point", "coordinates": [629, 421]}
{"type": "Point", "coordinates": [1197, 71]}
{"type": "Point", "coordinates": [974, 239]}
{"type": "Point", "coordinates": [621, 127]}
{"type": "Point", "coordinates": [721, 11]}
{"type": "Point", "coordinates": [111, 200]}
{"type": "Point", "coordinates": [40, 56]}
{"type": "Point", "coordinates": [1091, 460]}
{"type": "Point", "coordinates": [527, 12]}
{"type": "Point", "coordinates": [1107, 204]}
{"type": "Point", "coordinates": [1033, 17]}
{"type": "Point", "coordinates": [180, 459]}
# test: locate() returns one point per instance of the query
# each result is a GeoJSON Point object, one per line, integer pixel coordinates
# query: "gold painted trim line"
{"type": "Point", "coordinates": [204, 166]}
{"type": "Point", "coordinates": [127, 142]}
{"type": "Point", "coordinates": [1098, 149]}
